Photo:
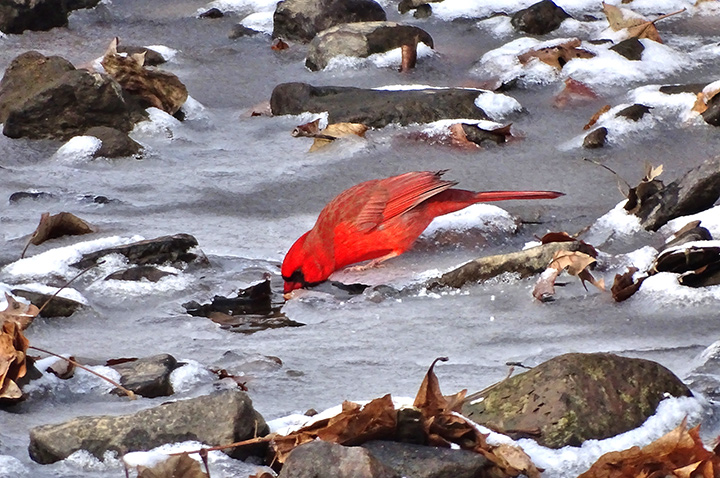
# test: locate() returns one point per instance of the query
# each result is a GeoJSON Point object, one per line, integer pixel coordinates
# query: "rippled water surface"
{"type": "Point", "coordinates": [246, 189]}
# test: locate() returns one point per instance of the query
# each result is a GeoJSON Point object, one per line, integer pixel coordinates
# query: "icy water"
{"type": "Point", "coordinates": [246, 189]}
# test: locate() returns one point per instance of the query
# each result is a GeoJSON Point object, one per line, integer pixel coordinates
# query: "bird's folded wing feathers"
{"type": "Point", "coordinates": [399, 194]}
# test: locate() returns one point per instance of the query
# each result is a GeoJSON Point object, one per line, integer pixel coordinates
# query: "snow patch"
{"type": "Point", "coordinates": [78, 149]}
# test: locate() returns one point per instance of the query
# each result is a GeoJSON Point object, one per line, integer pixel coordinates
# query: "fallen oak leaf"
{"type": "Point", "coordinates": [279, 45]}
{"type": "Point", "coordinates": [335, 131]}
{"type": "Point", "coordinates": [57, 225]}
{"type": "Point", "coordinates": [18, 312]}
{"type": "Point", "coordinates": [430, 400]}
{"type": "Point", "coordinates": [576, 263]}
{"type": "Point", "coordinates": [557, 55]}
{"type": "Point", "coordinates": [176, 466]}
{"type": "Point", "coordinates": [625, 285]}
{"type": "Point", "coordinates": [594, 119]}
{"type": "Point", "coordinates": [574, 92]}
{"type": "Point", "coordinates": [13, 360]}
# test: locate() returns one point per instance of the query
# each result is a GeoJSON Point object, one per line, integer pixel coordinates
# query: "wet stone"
{"type": "Point", "coordinates": [152, 57]}
{"type": "Point", "coordinates": [216, 419]}
{"type": "Point", "coordinates": [301, 20]}
{"type": "Point", "coordinates": [57, 307]}
{"type": "Point", "coordinates": [596, 138]}
{"type": "Point", "coordinates": [634, 112]}
{"type": "Point", "coordinates": [712, 114]}
{"type": "Point", "coordinates": [212, 13]}
{"type": "Point", "coordinates": [115, 143]}
{"type": "Point", "coordinates": [165, 249]}
{"type": "Point", "coordinates": [631, 49]}
{"type": "Point", "coordinates": [149, 273]}
{"type": "Point", "coordinates": [423, 11]}
{"type": "Point", "coordinates": [539, 19]}
{"type": "Point", "coordinates": [29, 195]}
{"type": "Point", "coordinates": [321, 459]}
{"type": "Point", "coordinates": [148, 376]}
{"type": "Point", "coordinates": [421, 461]}
{"type": "Point", "coordinates": [239, 31]}
{"type": "Point", "coordinates": [575, 397]}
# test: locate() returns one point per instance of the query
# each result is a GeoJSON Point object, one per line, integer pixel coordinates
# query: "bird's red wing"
{"type": "Point", "coordinates": [397, 195]}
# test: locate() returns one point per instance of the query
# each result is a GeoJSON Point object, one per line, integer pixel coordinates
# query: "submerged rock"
{"type": "Point", "coordinates": [321, 459]}
{"type": "Point", "coordinates": [16, 16]}
{"type": "Point", "coordinates": [57, 307]}
{"type": "Point", "coordinates": [160, 250]}
{"type": "Point", "coordinates": [362, 40]}
{"type": "Point", "coordinates": [595, 138]}
{"type": "Point", "coordinates": [217, 419]}
{"type": "Point", "coordinates": [575, 397]}
{"type": "Point", "coordinates": [301, 20]}
{"type": "Point", "coordinates": [46, 97]}
{"type": "Point", "coordinates": [115, 143]}
{"type": "Point", "coordinates": [148, 376]}
{"type": "Point", "coordinates": [540, 18]}
{"type": "Point", "coordinates": [138, 273]}
{"type": "Point", "coordinates": [376, 108]}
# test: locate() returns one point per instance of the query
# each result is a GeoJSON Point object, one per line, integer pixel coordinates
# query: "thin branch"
{"type": "Point", "coordinates": [67, 284]}
{"type": "Point", "coordinates": [129, 393]}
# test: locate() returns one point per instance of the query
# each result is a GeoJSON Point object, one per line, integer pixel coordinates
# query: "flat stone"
{"type": "Point", "coordinates": [321, 459]}
{"type": "Point", "coordinates": [217, 419]}
{"type": "Point", "coordinates": [148, 376]}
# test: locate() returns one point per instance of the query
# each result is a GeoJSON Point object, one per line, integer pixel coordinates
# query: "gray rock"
{"type": "Point", "coordinates": [151, 251]}
{"type": "Point", "coordinates": [575, 397]}
{"type": "Point", "coordinates": [376, 108]}
{"type": "Point", "coordinates": [57, 307]}
{"type": "Point", "coordinates": [712, 114]}
{"type": "Point", "coordinates": [301, 20]}
{"type": "Point", "coordinates": [16, 16]}
{"type": "Point", "coordinates": [595, 138]}
{"type": "Point", "coordinates": [217, 419]}
{"type": "Point", "coordinates": [115, 143]}
{"type": "Point", "coordinates": [321, 459]}
{"type": "Point", "coordinates": [696, 191]}
{"type": "Point", "coordinates": [138, 273]}
{"type": "Point", "coordinates": [361, 40]}
{"type": "Point", "coordinates": [152, 57]}
{"type": "Point", "coordinates": [539, 19]}
{"type": "Point", "coordinates": [405, 6]}
{"type": "Point", "coordinates": [631, 48]}
{"type": "Point", "coordinates": [148, 376]}
{"type": "Point", "coordinates": [43, 97]}
{"type": "Point", "coordinates": [420, 461]}
{"type": "Point", "coordinates": [634, 112]}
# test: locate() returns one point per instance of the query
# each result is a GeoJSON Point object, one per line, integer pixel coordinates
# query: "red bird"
{"type": "Point", "coordinates": [377, 220]}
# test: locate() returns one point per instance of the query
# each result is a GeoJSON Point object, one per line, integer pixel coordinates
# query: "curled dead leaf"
{"type": "Point", "coordinates": [335, 131]}
{"type": "Point", "coordinates": [176, 466]}
{"type": "Point", "coordinates": [19, 312]}
{"type": "Point", "coordinates": [557, 55]}
{"type": "Point", "coordinates": [279, 45]}
{"type": "Point", "coordinates": [157, 88]}
{"type": "Point", "coordinates": [576, 263]}
{"type": "Point", "coordinates": [57, 225]}
{"type": "Point", "coordinates": [596, 117]}
{"type": "Point", "coordinates": [13, 360]}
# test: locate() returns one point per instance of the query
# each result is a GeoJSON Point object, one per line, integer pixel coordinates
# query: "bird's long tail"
{"type": "Point", "coordinates": [486, 196]}
{"type": "Point", "coordinates": [453, 200]}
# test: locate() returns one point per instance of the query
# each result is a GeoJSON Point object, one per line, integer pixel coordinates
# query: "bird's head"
{"type": "Point", "coordinates": [304, 266]}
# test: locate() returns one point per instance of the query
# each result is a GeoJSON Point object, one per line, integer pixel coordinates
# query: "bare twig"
{"type": "Point", "coordinates": [67, 284]}
{"type": "Point", "coordinates": [129, 393]}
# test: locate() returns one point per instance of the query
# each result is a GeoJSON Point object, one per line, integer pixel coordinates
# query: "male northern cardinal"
{"type": "Point", "coordinates": [377, 220]}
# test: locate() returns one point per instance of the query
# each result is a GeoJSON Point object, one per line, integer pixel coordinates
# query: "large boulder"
{"type": "Point", "coordinates": [576, 397]}
{"type": "Point", "coordinates": [301, 20]}
{"type": "Point", "coordinates": [362, 40]}
{"type": "Point", "coordinates": [46, 97]}
{"type": "Point", "coordinates": [217, 419]}
{"type": "Point", "coordinates": [321, 459]}
{"type": "Point", "coordinates": [376, 108]}
{"type": "Point", "coordinates": [16, 16]}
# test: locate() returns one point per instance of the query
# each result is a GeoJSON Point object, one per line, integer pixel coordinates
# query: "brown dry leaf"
{"type": "Point", "coordinates": [430, 400]}
{"type": "Point", "coordinates": [515, 457]}
{"type": "Point", "coordinates": [337, 130]}
{"type": "Point", "coordinates": [353, 426]}
{"type": "Point", "coordinates": [58, 225]}
{"type": "Point", "coordinates": [262, 474]}
{"type": "Point", "coordinates": [635, 24]}
{"type": "Point", "coordinates": [544, 289]}
{"type": "Point", "coordinates": [596, 117]}
{"type": "Point", "coordinates": [13, 364]}
{"type": "Point", "coordinates": [572, 261]}
{"type": "Point", "coordinates": [576, 263]}
{"type": "Point", "coordinates": [557, 55]}
{"type": "Point", "coordinates": [556, 237]}
{"type": "Point", "coordinates": [677, 453]}
{"type": "Point", "coordinates": [157, 88]}
{"type": "Point", "coordinates": [624, 286]}
{"type": "Point", "coordinates": [279, 45]}
{"type": "Point", "coordinates": [177, 466]}
{"type": "Point", "coordinates": [307, 130]}
{"type": "Point", "coordinates": [652, 172]}
{"type": "Point", "coordinates": [18, 312]}
{"type": "Point", "coordinates": [459, 138]}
